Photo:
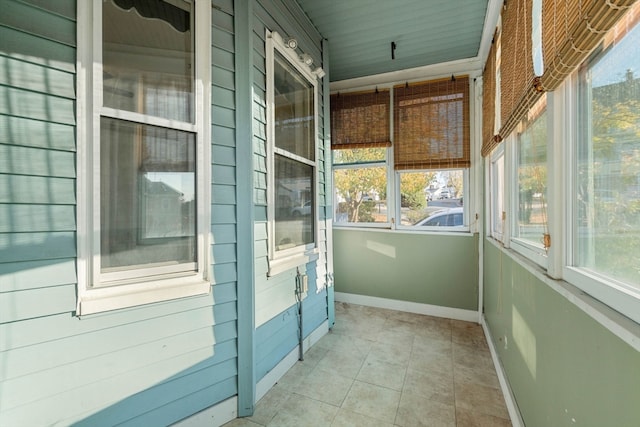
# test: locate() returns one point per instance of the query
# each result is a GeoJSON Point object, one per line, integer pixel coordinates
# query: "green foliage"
{"type": "Point", "coordinates": [357, 185]}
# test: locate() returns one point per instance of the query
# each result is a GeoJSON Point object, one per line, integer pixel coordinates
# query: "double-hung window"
{"type": "Point", "coordinates": [604, 251]}
{"type": "Point", "coordinates": [292, 95]}
{"type": "Point", "coordinates": [143, 151]}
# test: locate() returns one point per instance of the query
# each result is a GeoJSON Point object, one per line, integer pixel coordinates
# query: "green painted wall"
{"type": "Point", "coordinates": [564, 368]}
{"type": "Point", "coordinates": [422, 268]}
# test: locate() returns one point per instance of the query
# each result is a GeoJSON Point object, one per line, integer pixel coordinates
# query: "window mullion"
{"type": "Point", "coordinates": [146, 119]}
{"type": "Point", "coordinates": [292, 156]}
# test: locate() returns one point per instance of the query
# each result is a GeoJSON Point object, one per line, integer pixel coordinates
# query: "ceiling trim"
{"type": "Point", "coordinates": [472, 67]}
{"type": "Point", "coordinates": [494, 8]}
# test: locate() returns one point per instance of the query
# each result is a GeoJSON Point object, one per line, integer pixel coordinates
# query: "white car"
{"type": "Point", "coordinates": [301, 210]}
{"type": "Point", "coordinates": [453, 217]}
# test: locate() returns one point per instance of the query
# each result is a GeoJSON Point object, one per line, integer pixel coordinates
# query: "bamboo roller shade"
{"type": "Point", "coordinates": [431, 124]}
{"type": "Point", "coordinates": [360, 120]}
{"type": "Point", "coordinates": [571, 30]}
{"type": "Point", "coordinates": [489, 90]}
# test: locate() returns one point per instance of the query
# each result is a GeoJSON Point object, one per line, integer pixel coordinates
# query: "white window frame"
{"type": "Point", "coordinates": [393, 176]}
{"type": "Point", "coordinates": [497, 122]}
{"type": "Point", "coordinates": [386, 163]}
{"type": "Point", "coordinates": [497, 188]}
{"type": "Point", "coordinates": [102, 292]}
{"type": "Point", "coordinates": [281, 261]}
{"type": "Point", "coordinates": [465, 228]}
{"type": "Point", "coordinates": [620, 296]}
{"type": "Point", "coordinates": [535, 252]}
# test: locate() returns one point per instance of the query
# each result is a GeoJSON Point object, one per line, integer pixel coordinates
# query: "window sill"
{"type": "Point", "coordinates": [528, 250]}
{"type": "Point", "coordinates": [465, 232]}
{"type": "Point", "coordinates": [99, 300]}
{"type": "Point", "coordinates": [615, 322]}
{"type": "Point", "coordinates": [277, 266]}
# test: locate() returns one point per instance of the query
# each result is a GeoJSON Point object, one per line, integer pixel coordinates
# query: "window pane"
{"type": "Point", "coordinates": [294, 204]}
{"type": "Point", "coordinates": [148, 58]}
{"type": "Point", "coordinates": [361, 195]}
{"type": "Point", "coordinates": [432, 199]}
{"type": "Point", "coordinates": [147, 196]}
{"type": "Point", "coordinates": [294, 112]}
{"type": "Point", "coordinates": [608, 165]}
{"type": "Point", "coordinates": [359, 155]}
{"type": "Point", "coordinates": [532, 181]}
{"type": "Point", "coordinates": [497, 194]}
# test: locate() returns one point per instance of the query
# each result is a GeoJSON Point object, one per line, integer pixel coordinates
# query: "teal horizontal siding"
{"type": "Point", "coordinates": [224, 273]}
{"type": "Point", "coordinates": [74, 405]}
{"type": "Point", "coordinates": [29, 19]}
{"type": "Point", "coordinates": [223, 78]}
{"type": "Point", "coordinates": [223, 39]}
{"type": "Point", "coordinates": [36, 162]}
{"type": "Point", "coordinates": [34, 218]}
{"type": "Point", "coordinates": [36, 133]}
{"type": "Point", "coordinates": [223, 194]}
{"type": "Point", "coordinates": [34, 105]}
{"type": "Point", "coordinates": [223, 22]}
{"type": "Point", "coordinates": [224, 60]}
{"type": "Point", "coordinates": [223, 214]}
{"type": "Point", "coordinates": [223, 233]}
{"type": "Point", "coordinates": [131, 361]}
{"type": "Point", "coordinates": [223, 116]}
{"type": "Point", "coordinates": [223, 253]}
{"type": "Point", "coordinates": [31, 303]}
{"type": "Point", "coordinates": [66, 8]}
{"type": "Point", "coordinates": [162, 410]}
{"type": "Point", "coordinates": [15, 247]}
{"type": "Point", "coordinates": [224, 175]}
{"type": "Point", "coordinates": [278, 336]}
{"type": "Point", "coordinates": [274, 340]}
{"type": "Point", "coordinates": [224, 155]}
{"type": "Point", "coordinates": [162, 361]}
{"type": "Point", "coordinates": [224, 97]}
{"type": "Point", "coordinates": [28, 360]}
{"type": "Point", "coordinates": [37, 330]}
{"type": "Point", "coordinates": [36, 77]}
{"type": "Point", "coordinates": [31, 48]}
{"type": "Point", "coordinates": [36, 189]}
{"type": "Point", "coordinates": [18, 276]}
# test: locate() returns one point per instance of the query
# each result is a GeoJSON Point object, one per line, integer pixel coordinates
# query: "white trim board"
{"type": "Point", "coordinates": [509, 398]}
{"type": "Point", "coordinates": [410, 307]}
{"type": "Point", "coordinates": [274, 375]}
{"type": "Point", "coordinates": [212, 416]}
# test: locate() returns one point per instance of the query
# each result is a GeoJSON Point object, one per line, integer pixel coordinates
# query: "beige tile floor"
{"type": "Point", "coordinates": [388, 368]}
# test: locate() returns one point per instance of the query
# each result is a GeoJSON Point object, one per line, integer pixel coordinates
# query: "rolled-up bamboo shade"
{"type": "Point", "coordinates": [431, 124]}
{"type": "Point", "coordinates": [489, 101]}
{"type": "Point", "coordinates": [579, 26]}
{"type": "Point", "coordinates": [571, 30]}
{"type": "Point", "coordinates": [516, 71]}
{"type": "Point", "coordinates": [360, 120]}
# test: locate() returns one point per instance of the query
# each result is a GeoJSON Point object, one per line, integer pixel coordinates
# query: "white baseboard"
{"type": "Point", "coordinates": [410, 307]}
{"type": "Point", "coordinates": [512, 407]}
{"type": "Point", "coordinates": [213, 416]}
{"type": "Point", "coordinates": [274, 375]}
